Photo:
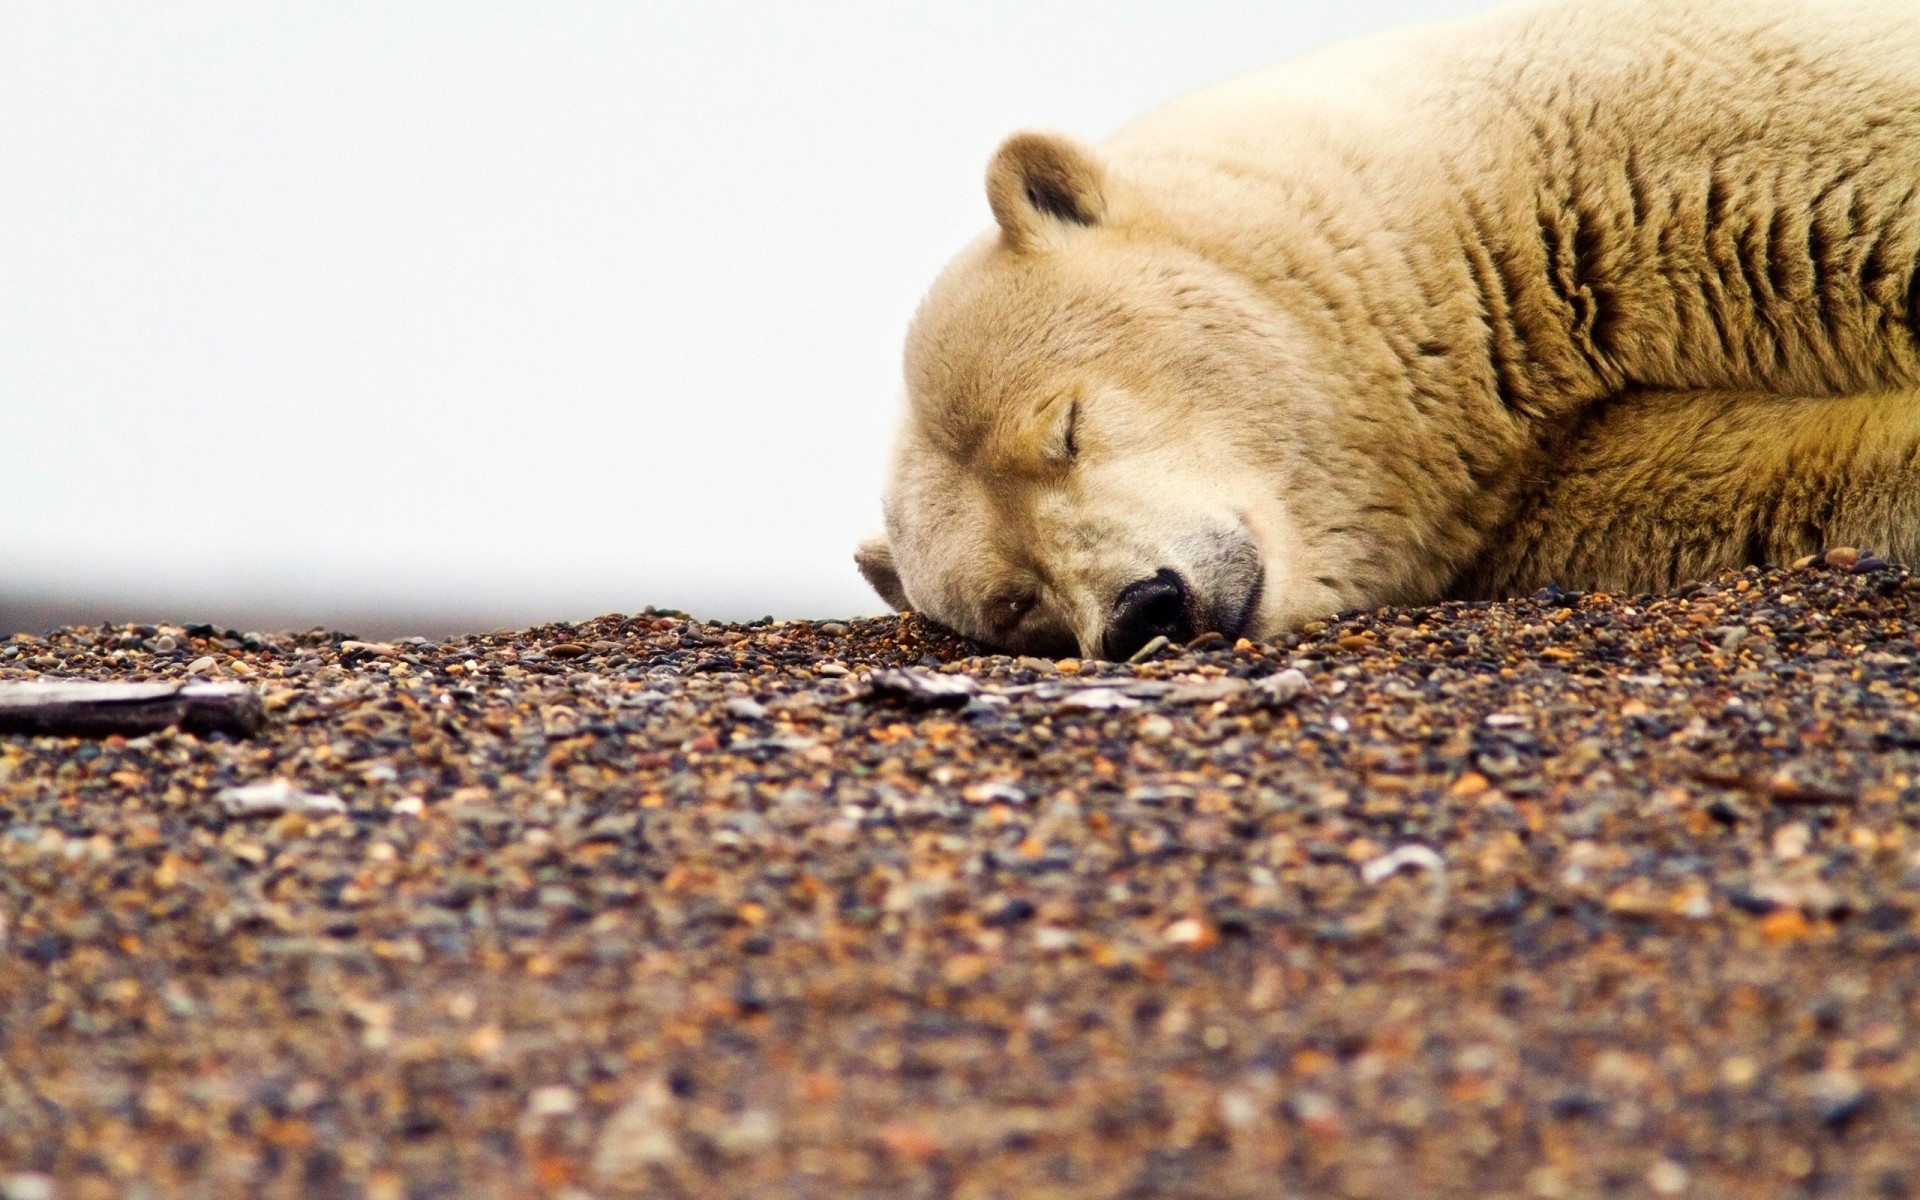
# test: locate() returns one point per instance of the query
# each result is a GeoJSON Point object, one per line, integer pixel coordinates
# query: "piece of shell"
{"type": "Point", "coordinates": [1412, 855]}
{"type": "Point", "coordinates": [1097, 700]}
{"type": "Point", "coordinates": [921, 689]}
{"type": "Point", "coordinates": [274, 797]}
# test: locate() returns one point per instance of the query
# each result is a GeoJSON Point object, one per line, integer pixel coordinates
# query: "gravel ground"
{"type": "Point", "coordinates": [1570, 896]}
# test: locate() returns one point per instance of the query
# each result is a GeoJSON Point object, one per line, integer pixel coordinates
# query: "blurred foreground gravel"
{"type": "Point", "coordinates": [1571, 896]}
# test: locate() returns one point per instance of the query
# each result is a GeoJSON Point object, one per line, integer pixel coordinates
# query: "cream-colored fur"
{"type": "Point", "coordinates": [1652, 490]}
{"type": "Point", "coordinates": [1603, 294]}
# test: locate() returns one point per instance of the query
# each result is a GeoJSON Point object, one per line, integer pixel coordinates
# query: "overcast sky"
{"type": "Point", "coordinates": [431, 313]}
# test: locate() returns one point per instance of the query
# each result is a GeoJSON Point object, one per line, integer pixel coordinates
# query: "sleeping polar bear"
{"type": "Point", "coordinates": [1599, 294]}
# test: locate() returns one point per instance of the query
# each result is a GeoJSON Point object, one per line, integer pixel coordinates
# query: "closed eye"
{"type": "Point", "coordinates": [1006, 610]}
{"type": "Point", "coordinates": [1063, 432]}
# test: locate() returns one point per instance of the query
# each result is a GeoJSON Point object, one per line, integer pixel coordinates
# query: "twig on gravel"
{"type": "Point", "coordinates": [71, 708]}
{"type": "Point", "coordinates": [1154, 646]}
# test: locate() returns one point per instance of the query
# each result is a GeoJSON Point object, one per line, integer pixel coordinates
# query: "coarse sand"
{"type": "Point", "coordinates": [1569, 896]}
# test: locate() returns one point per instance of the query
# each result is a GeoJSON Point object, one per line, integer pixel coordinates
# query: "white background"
{"type": "Point", "coordinates": [430, 314]}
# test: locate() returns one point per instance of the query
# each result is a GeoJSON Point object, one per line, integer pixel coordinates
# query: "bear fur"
{"type": "Point", "coordinates": [1602, 295]}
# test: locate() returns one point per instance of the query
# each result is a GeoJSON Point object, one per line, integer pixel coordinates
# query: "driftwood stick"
{"type": "Point", "coordinates": [81, 708]}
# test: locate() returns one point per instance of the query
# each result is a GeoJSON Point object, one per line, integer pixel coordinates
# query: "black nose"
{"type": "Point", "coordinates": [1147, 609]}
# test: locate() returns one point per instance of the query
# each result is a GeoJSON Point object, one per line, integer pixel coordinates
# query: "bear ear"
{"type": "Point", "coordinates": [875, 560]}
{"type": "Point", "coordinates": [1039, 181]}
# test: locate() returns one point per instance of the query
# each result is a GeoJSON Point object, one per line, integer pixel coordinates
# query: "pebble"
{"type": "Point", "coordinates": [27, 1185]}
{"type": "Point", "coordinates": [995, 793]}
{"type": "Point", "coordinates": [552, 1101]}
{"type": "Point", "coordinates": [1668, 1178]}
{"type": "Point", "coordinates": [1283, 687]}
{"type": "Point", "coordinates": [745, 708]}
{"type": "Point", "coordinates": [1188, 932]}
{"type": "Point", "coordinates": [637, 1137]}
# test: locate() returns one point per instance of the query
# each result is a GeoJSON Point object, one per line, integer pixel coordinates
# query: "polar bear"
{"type": "Point", "coordinates": [1605, 295]}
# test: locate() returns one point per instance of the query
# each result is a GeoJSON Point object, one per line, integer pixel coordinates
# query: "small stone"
{"type": "Point", "coordinates": [1790, 841]}
{"type": "Point", "coordinates": [1238, 1109]}
{"type": "Point", "coordinates": [751, 1132]}
{"type": "Point", "coordinates": [164, 644]}
{"type": "Point", "coordinates": [568, 650]}
{"type": "Point", "coordinates": [1051, 939]}
{"type": "Point", "coordinates": [1667, 1177]}
{"type": "Point", "coordinates": [1838, 1096]}
{"type": "Point", "coordinates": [1155, 728]}
{"type": "Point", "coordinates": [1473, 783]}
{"type": "Point", "coordinates": [637, 1136]}
{"type": "Point", "coordinates": [204, 665]}
{"type": "Point", "coordinates": [1190, 931]}
{"type": "Point", "coordinates": [1315, 1111]}
{"type": "Point", "coordinates": [1841, 556]}
{"type": "Point", "coordinates": [745, 708]}
{"type": "Point", "coordinates": [27, 1185]}
{"type": "Point", "coordinates": [1282, 688]}
{"type": "Point", "coordinates": [552, 1101]}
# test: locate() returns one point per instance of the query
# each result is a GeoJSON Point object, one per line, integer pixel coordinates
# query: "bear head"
{"type": "Point", "coordinates": [1105, 432]}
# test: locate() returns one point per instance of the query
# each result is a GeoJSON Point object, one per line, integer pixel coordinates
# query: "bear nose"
{"type": "Point", "coordinates": [1149, 608]}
